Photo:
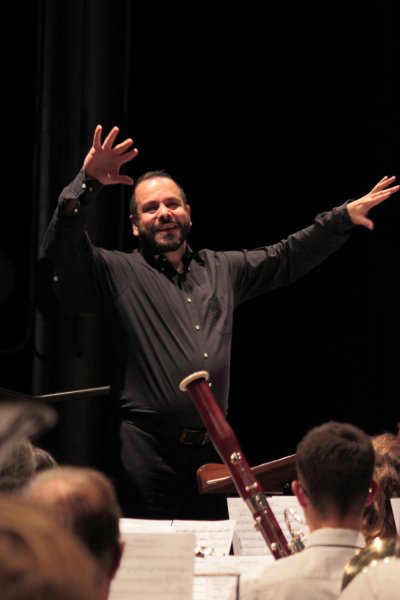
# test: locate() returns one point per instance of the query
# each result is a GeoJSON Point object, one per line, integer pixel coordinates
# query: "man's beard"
{"type": "Point", "coordinates": [148, 238]}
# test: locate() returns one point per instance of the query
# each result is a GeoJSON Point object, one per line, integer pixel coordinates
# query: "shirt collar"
{"type": "Point", "coordinates": [159, 262]}
{"type": "Point", "coordinates": [329, 536]}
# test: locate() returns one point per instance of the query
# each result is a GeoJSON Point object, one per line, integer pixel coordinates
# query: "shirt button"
{"type": "Point", "coordinates": [90, 189]}
{"type": "Point", "coordinates": [84, 186]}
{"type": "Point", "coordinates": [205, 354]}
{"type": "Point", "coordinates": [189, 300]}
{"type": "Point", "coordinates": [76, 210]}
{"type": "Point", "coordinates": [197, 327]}
{"type": "Point", "coordinates": [209, 384]}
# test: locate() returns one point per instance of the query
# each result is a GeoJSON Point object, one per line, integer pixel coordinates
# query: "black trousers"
{"type": "Point", "coordinates": [157, 477]}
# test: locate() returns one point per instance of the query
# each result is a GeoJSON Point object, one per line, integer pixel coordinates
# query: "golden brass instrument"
{"type": "Point", "coordinates": [295, 524]}
{"type": "Point", "coordinates": [378, 549]}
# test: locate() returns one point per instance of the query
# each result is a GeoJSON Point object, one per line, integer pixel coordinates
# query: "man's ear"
{"type": "Point", "coordinates": [373, 488]}
{"type": "Point", "coordinates": [188, 212]}
{"type": "Point", "coordinates": [135, 230]}
{"type": "Point", "coordinates": [298, 491]}
{"type": "Point", "coordinates": [119, 550]}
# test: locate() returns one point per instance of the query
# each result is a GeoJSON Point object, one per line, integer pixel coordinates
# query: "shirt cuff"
{"type": "Point", "coordinates": [80, 191]}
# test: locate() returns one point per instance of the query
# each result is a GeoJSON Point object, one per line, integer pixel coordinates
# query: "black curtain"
{"type": "Point", "coordinates": [266, 115]}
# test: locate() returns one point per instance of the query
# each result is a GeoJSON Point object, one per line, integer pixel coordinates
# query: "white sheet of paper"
{"type": "Point", "coordinates": [247, 540]}
{"type": "Point", "coordinates": [230, 564]}
{"type": "Point", "coordinates": [395, 502]}
{"type": "Point", "coordinates": [215, 535]}
{"type": "Point", "coordinates": [146, 525]}
{"type": "Point", "coordinates": [155, 566]}
{"type": "Point", "coordinates": [218, 586]}
{"type": "Point", "coordinates": [217, 577]}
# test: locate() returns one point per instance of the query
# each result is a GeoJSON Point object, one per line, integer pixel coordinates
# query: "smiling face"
{"type": "Point", "coordinates": [162, 219]}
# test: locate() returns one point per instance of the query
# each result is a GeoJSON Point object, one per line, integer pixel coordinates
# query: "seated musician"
{"type": "Point", "coordinates": [334, 464]}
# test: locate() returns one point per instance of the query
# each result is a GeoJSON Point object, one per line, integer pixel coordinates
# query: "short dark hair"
{"type": "Point", "coordinates": [335, 463]}
{"type": "Point", "coordinates": [153, 175]}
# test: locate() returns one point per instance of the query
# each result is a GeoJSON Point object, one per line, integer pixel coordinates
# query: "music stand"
{"type": "Point", "coordinates": [274, 476]}
{"type": "Point", "coordinates": [38, 413]}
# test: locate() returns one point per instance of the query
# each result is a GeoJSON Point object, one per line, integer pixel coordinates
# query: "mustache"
{"type": "Point", "coordinates": [165, 219]}
{"type": "Point", "coordinates": [169, 221]}
{"type": "Point", "coordinates": [161, 227]}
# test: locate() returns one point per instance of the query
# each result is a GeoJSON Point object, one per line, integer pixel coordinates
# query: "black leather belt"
{"type": "Point", "coordinates": [185, 435]}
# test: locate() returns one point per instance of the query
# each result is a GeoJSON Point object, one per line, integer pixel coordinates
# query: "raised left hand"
{"type": "Point", "coordinates": [358, 209]}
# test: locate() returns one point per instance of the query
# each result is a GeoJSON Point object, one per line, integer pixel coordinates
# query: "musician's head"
{"type": "Point", "coordinates": [159, 213]}
{"type": "Point", "coordinates": [39, 557]}
{"type": "Point", "coordinates": [335, 464]}
{"type": "Point", "coordinates": [85, 501]}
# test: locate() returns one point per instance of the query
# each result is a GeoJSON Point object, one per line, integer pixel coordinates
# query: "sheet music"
{"type": "Point", "coordinates": [230, 564]}
{"type": "Point", "coordinates": [215, 535]}
{"type": "Point", "coordinates": [150, 566]}
{"type": "Point", "coordinates": [395, 504]}
{"type": "Point", "coordinates": [216, 587]}
{"type": "Point", "coordinates": [247, 540]}
{"type": "Point", "coordinates": [155, 566]}
{"type": "Point", "coordinates": [217, 577]}
{"type": "Point", "coordinates": [145, 525]}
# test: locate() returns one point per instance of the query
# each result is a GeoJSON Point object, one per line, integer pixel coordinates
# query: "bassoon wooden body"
{"type": "Point", "coordinates": [226, 443]}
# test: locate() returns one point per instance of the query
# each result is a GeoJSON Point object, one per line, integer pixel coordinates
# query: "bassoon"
{"type": "Point", "coordinates": [226, 443]}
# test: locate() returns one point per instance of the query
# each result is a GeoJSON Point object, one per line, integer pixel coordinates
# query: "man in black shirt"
{"type": "Point", "coordinates": [175, 309]}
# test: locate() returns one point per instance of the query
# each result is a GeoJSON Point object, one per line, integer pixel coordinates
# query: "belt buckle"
{"type": "Point", "coordinates": [194, 436]}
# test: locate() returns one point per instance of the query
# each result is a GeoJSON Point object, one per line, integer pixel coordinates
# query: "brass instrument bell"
{"type": "Point", "coordinates": [367, 557]}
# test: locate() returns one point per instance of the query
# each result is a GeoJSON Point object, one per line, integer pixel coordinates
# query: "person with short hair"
{"type": "Point", "coordinates": [39, 558]}
{"type": "Point", "coordinates": [335, 463]}
{"type": "Point", "coordinates": [172, 311]}
{"type": "Point", "coordinates": [85, 501]}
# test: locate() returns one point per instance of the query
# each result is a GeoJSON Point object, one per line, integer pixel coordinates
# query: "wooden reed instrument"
{"type": "Point", "coordinates": [225, 441]}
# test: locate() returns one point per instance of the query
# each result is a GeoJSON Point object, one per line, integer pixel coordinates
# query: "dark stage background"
{"type": "Point", "coordinates": [267, 114]}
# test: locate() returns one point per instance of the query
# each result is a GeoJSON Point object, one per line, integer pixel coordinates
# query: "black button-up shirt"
{"type": "Point", "coordinates": [171, 324]}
